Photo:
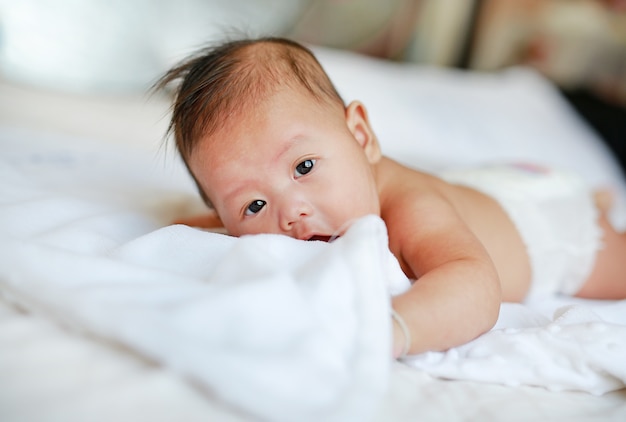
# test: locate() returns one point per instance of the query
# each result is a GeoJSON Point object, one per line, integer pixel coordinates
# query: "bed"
{"type": "Point", "coordinates": [109, 312]}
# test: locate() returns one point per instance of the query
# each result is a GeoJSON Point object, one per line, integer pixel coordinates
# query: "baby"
{"type": "Point", "coordinates": [273, 149]}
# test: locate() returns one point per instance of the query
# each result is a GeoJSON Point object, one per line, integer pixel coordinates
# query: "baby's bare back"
{"type": "Point", "coordinates": [493, 227]}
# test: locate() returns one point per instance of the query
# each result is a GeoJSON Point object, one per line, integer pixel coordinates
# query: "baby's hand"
{"type": "Point", "coordinates": [209, 220]}
{"type": "Point", "coordinates": [604, 199]}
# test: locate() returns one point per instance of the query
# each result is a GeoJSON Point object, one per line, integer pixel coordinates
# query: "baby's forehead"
{"type": "Point", "coordinates": [250, 111]}
{"type": "Point", "coordinates": [286, 115]}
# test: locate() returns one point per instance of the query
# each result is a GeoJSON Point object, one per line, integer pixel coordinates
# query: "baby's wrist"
{"type": "Point", "coordinates": [401, 336]}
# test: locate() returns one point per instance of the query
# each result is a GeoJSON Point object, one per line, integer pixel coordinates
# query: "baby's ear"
{"type": "Point", "coordinates": [359, 126]}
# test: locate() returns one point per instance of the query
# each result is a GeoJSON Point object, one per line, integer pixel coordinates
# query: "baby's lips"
{"type": "Point", "coordinates": [323, 238]}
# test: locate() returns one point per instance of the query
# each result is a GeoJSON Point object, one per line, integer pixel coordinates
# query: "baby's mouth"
{"type": "Point", "coordinates": [320, 237]}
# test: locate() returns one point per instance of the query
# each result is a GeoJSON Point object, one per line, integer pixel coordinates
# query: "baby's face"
{"type": "Point", "coordinates": [292, 166]}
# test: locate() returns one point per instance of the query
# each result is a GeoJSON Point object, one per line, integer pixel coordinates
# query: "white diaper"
{"type": "Point", "coordinates": [556, 218]}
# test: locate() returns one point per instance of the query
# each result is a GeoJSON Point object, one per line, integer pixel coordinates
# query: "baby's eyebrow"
{"type": "Point", "coordinates": [293, 140]}
{"type": "Point", "coordinates": [230, 196]}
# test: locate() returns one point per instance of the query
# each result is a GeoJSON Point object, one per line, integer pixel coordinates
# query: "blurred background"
{"type": "Point", "coordinates": [121, 46]}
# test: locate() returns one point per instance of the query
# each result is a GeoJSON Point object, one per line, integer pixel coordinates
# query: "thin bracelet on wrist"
{"type": "Point", "coordinates": [405, 331]}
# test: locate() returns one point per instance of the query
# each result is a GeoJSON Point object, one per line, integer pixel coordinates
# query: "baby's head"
{"type": "Point", "coordinates": [221, 84]}
{"type": "Point", "coordinates": [249, 112]}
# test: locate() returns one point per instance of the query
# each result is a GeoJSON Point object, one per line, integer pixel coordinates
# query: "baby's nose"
{"type": "Point", "coordinates": [292, 214]}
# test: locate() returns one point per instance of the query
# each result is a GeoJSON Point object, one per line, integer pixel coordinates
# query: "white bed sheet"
{"type": "Point", "coordinates": [74, 376]}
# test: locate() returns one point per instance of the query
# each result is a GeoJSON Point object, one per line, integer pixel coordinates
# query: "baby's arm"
{"type": "Point", "coordinates": [457, 294]}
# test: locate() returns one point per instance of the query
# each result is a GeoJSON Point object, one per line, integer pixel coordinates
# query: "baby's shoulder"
{"type": "Point", "coordinates": [407, 190]}
{"type": "Point", "coordinates": [419, 206]}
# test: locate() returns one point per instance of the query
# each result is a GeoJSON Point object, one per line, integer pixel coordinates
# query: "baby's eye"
{"type": "Point", "coordinates": [255, 207]}
{"type": "Point", "coordinates": [304, 167]}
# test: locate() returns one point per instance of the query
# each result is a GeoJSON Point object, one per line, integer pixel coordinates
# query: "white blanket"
{"type": "Point", "coordinates": [277, 327]}
{"type": "Point", "coordinates": [280, 328]}
{"type": "Point", "coordinates": [582, 347]}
